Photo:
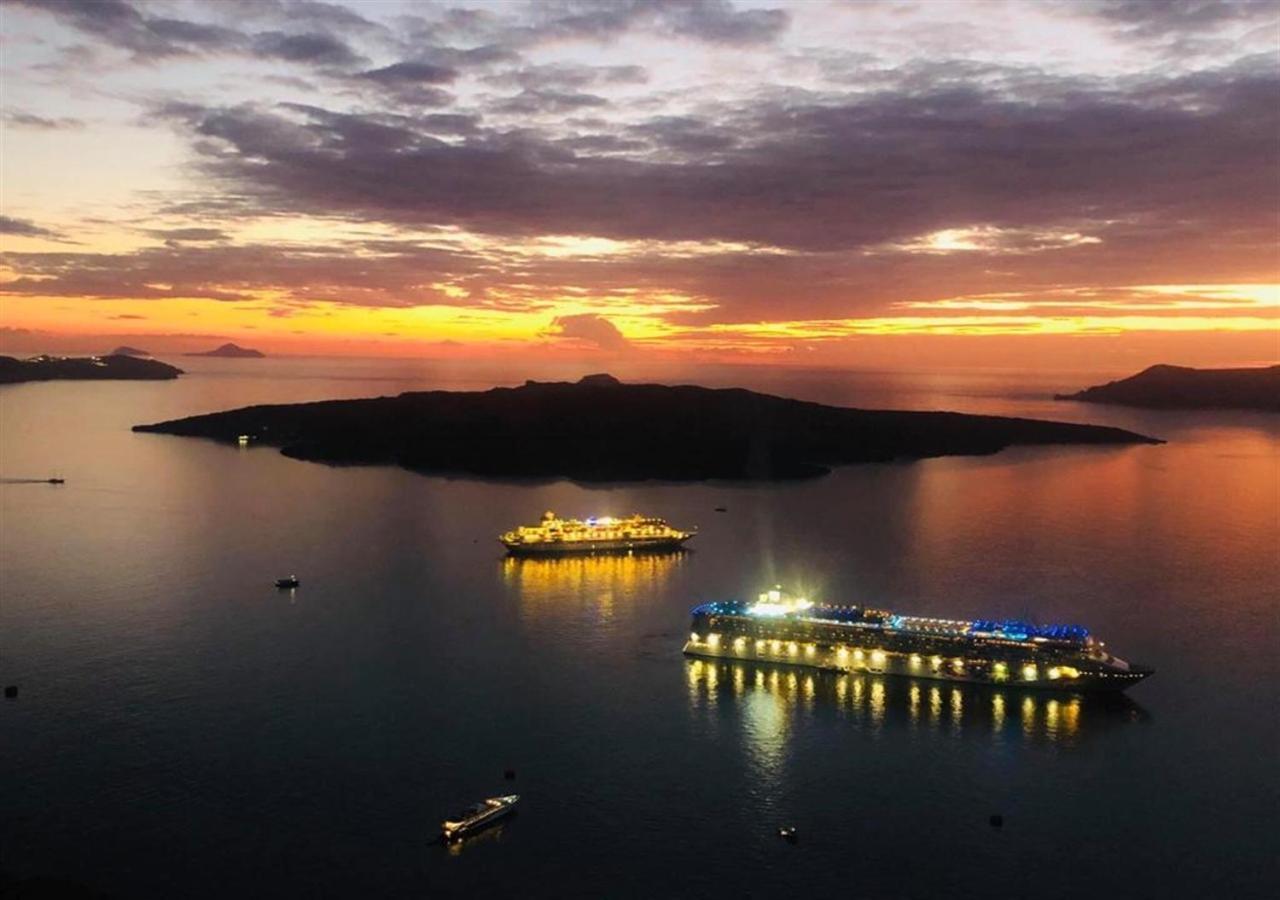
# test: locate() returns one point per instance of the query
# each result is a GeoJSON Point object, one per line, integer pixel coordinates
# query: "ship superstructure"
{"type": "Point", "coordinates": [783, 629]}
{"type": "Point", "coordinates": [554, 535]}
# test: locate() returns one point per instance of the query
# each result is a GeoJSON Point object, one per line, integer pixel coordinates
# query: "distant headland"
{"type": "Point", "coordinates": [602, 430]}
{"type": "Point", "coordinates": [1178, 387]}
{"type": "Point", "coordinates": [126, 350]}
{"type": "Point", "coordinates": [231, 351]}
{"type": "Point", "coordinates": [88, 368]}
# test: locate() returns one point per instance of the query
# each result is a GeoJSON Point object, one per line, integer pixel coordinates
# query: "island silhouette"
{"type": "Point", "coordinates": [115, 367]}
{"type": "Point", "coordinates": [230, 351]}
{"type": "Point", "coordinates": [126, 350]}
{"type": "Point", "coordinates": [600, 429]}
{"type": "Point", "coordinates": [1179, 387]}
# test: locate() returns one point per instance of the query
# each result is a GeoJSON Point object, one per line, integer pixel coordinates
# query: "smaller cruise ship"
{"type": "Point", "coordinates": [477, 817]}
{"type": "Point", "coordinates": [554, 535]}
{"type": "Point", "coordinates": [778, 628]}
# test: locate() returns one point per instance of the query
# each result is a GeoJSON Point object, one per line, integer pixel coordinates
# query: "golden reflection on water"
{"type": "Point", "coordinates": [770, 698]}
{"type": "Point", "coordinates": [492, 834]}
{"type": "Point", "coordinates": [606, 581]}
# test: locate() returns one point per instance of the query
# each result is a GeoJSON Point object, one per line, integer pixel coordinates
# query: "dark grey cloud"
{"type": "Point", "coordinates": [715, 21]}
{"type": "Point", "coordinates": [808, 173]}
{"type": "Point", "coordinates": [410, 72]}
{"type": "Point", "coordinates": [327, 15]}
{"type": "Point", "coordinates": [130, 26]}
{"type": "Point", "coordinates": [25, 228]}
{"type": "Point", "coordinates": [177, 236]}
{"type": "Point", "coordinates": [568, 77]}
{"type": "Point", "coordinates": [547, 102]}
{"type": "Point", "coordinates": [686, 134]}
{"type": "Point", "coordinates": [1164, 18]}
{"type": "Point", "coordinates": [588, 328]}
{"type": "Point", "coordinates": [370, 274]}
{"type": "Point", "coordinates": [316, 48]}
{"type": "Point", "coordinates": [124, 25]}
{"type": "Point", "coordinates": [410, 82]}
{"type": "Point", "coordinates": [19, 119]}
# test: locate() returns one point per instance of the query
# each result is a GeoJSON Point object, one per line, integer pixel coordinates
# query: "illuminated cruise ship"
{"type": "Point", "coordinates": [604, 535]}
{"type": "Point", "coordinates": [778, 628]}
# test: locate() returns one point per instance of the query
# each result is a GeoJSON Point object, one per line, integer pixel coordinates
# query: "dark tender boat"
{"type": "Point", "coordinates": [478, 817]}
{"type": "Point", "coordinates": [783, 629]}
{"type": "Point", "coordinates": [290, 582]}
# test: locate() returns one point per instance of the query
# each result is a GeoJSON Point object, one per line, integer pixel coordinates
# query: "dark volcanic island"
{"type": "Point", "coordinates": [91, 368]}
{"type": "Point", "coordinates": [1178, 387]}
{"type": "Point", "coordinates": [231, 351]}
{"type": "Point", "coordinates": [601, 430]}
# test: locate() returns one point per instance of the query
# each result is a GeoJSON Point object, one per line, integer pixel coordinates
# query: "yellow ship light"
{"type": "Point", "coordinates": [1000, 671]}
{"type": "Point", "coordinates": [775, 646]}
{"type": "Point", "coordinates": [957, 664]}
{"type": "Point", "coordinates": [713, 640]}
{"type": "Point", "coordinates": [1030, 672]}
{"type": "Point", "coordinates": [858, 655]}
{"type": "Point", "coordinates": [878, 657]}
{"type": "Point", "coordinates": [842, 652]}
{"type": "Point", "coordinates": [809, 649]}
{"type": "Point", "coordinates": [792, 648]}
{"type": "Point", "coordinates": [739, 644]}
{"type": "Point", "coordinates": [760, 645]}
{"type": "Point", "coordinates": [936, 662]}
{"type": "Point", "coordinates": [915, 660]}
{"type": "Point", "coordinates": [1055, 673]}
{"type": "Point", "coordinates": [1069, 672]}
{"type": "Point", "coordinates": [693, 638]}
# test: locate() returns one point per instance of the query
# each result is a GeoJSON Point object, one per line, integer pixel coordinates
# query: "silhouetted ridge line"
{"type": "Point", "coordinates": [88, 368]}
{"type": "Point", "coordinates": [231, 351]}
{"type": "Point", "coordinates": [602, 430]}
{"type": "Point", "coordinates": [1178, 387]}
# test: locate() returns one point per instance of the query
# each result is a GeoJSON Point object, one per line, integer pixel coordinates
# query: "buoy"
{"type": "Point", "coordinates": [997, 821]}
{"type": "Point", "coordinates": [509, 774]}
{"type": "Point", "coordinates": [11, 691]}
{"type": "Point", "coordinates": [788, 834]}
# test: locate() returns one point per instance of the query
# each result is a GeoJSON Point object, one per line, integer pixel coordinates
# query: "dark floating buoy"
{"type": "Point", "coordinates": [722, 509]}
{"type": "Point", "coordinates": [997, 821]}
{"type": "Point", "coordinates": [509, 774]}
{"type": "Point", "coordinates": [788, 834]}
{"type": "Point", "coordinates": [11, 691]}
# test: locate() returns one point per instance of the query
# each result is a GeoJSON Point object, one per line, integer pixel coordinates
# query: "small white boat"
{"type": "Point", "coordinates": [477, 817]}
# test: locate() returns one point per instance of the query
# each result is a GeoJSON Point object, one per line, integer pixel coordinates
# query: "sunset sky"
{"type": "Point", "coordinates": [1084, 184]}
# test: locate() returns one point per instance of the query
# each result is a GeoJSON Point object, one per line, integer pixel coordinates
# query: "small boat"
{"type": "Point", "coordinates": [57, 481]}
{"type": "Point", "coordinates": [290, 582]}
{"type": "Point", "coordinates": [477, 817]}
{"type": "Point", "coordinates": [788, 834]}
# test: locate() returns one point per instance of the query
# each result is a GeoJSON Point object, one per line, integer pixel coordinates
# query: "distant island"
{"type": "Point", "coordinates": [89, 368]}
{"type": "Point", "coordinates": [126, 350]}
{"type": "Point", "coordinates": [231, 351]}
{"type": "Point", "coordinates": [602, 430]}
{"type": "Point", "coordinates": [1178, 387]}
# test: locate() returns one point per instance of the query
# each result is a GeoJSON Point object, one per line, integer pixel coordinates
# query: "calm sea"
{"type": "Point", "coordinates": [186, 730]}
